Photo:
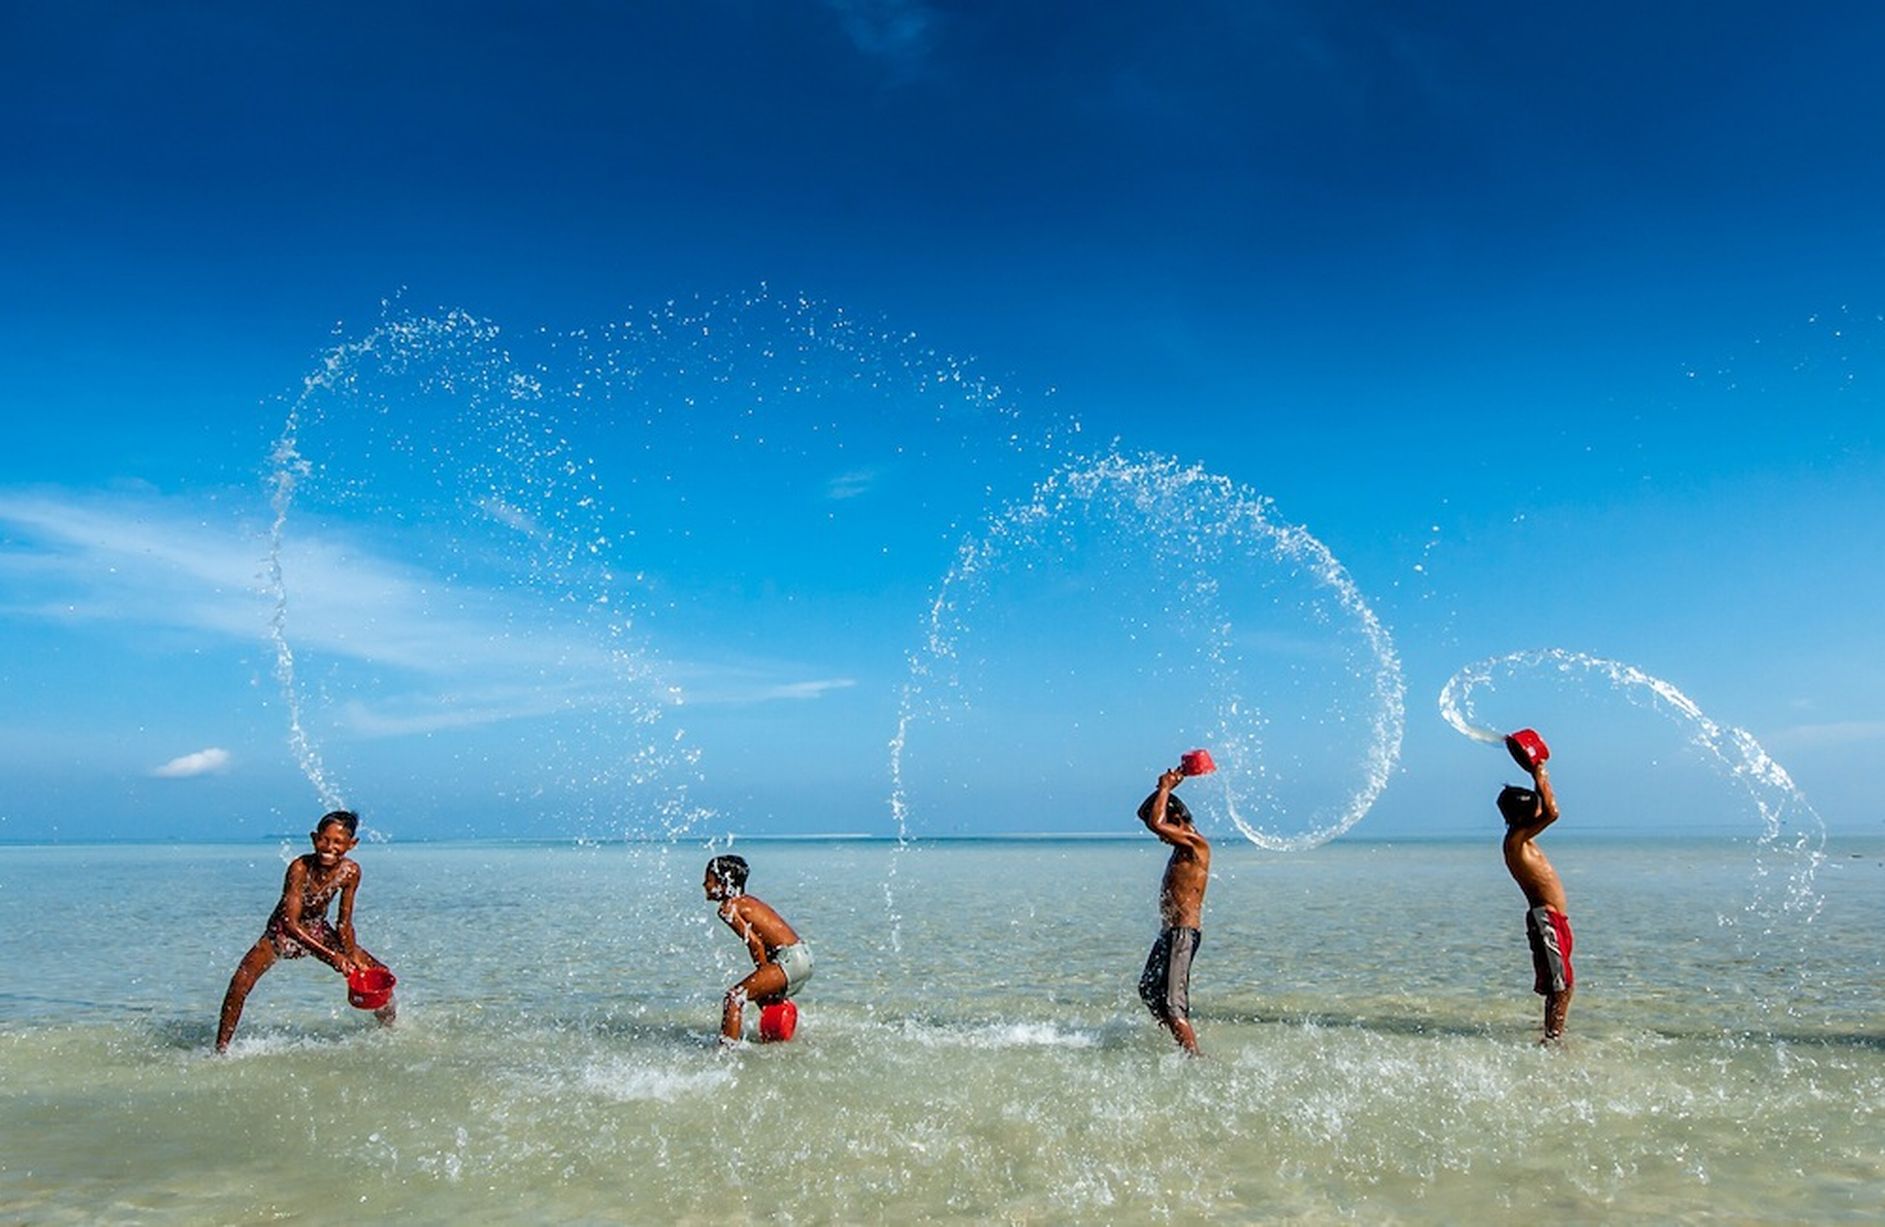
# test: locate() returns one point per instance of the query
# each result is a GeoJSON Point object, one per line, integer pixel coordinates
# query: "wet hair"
{"type": "Point", "coordinates": [1517, 804]}
{"type": "Point", "coordinates": [730, 870]}
{"type": "Point", "coordinates": [1176, 810]}
{"type": "Point", "coordinates": [349, 821]}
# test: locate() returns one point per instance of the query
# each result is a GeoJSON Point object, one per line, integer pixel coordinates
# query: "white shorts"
{"type": "Point", "coordinates": [796, 962]}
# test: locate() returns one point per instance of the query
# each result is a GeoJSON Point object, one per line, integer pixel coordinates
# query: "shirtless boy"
{"type": "Point", "coordinates": [1527, 812]}
{"type": "Point", "coordinates": [298, 926]}
{"type": "Point", "coordinates": [781, 962]}
{"type": "Point", "coordinates": [1165, 985]}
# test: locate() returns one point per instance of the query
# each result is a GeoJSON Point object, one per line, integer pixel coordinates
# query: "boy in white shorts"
{"type": "Point", "coordinates": [781, 962]}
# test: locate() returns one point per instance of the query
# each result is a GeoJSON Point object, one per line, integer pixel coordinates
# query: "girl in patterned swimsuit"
{"type": "Point", "coordinates": [298, 926]}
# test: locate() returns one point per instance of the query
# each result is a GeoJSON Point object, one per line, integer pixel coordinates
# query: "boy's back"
{"type": "Point", "coordinates": [1535, 877]}
{"type": "Point", "coordinates": [755, 921]}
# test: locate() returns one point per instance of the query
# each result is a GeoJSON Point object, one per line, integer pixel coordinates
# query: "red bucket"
{"type": "Point", "coordinates": [1196, 762]}
{"type": "Point", "coordinates": [777, 1022]}
{"type": "Point", "coordinates": [1527, 748]}
{"type": "Point", "coordinates": [370, 988]}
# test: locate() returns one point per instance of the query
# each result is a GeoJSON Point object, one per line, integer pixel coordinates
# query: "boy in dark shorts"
{"type": "Point", "coordinates": [1528, 811]}
{"type": "Point", "coordinates": [298, 926]}
{"type": "Point", "coordinates": [781, 962]}
{"type": "Point", "coordinates": [1165, 985]}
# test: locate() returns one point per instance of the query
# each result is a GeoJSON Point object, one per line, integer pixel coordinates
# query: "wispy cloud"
{"type": "Point", "coordinates": [421, 712]}
{"type": "Point", "coordinates": [157, 561]}
{"type": "Point", "coordinates": [790, 691]}
{"type": "Point", "coordinates": [437, 655]}
{"type": "Point", "coordinates": [1833, 733]}
{"type": "Point", "coordinates": [898, 32]}
{"type": "Point", "coordinates": [717, 684]}
{"type": "Point", "coordinates": [851, 484]}
{"type": "Point", "coordinates": [203, 762]}
{"type": "Point", "coordinates": [511, 516]}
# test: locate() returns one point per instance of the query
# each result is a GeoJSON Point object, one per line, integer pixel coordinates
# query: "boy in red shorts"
{"type": "Point", "coordinates": [1527, 812]}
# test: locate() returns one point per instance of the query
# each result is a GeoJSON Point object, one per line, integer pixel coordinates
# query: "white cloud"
{"type": "Point", "coordinates": [203, 762]}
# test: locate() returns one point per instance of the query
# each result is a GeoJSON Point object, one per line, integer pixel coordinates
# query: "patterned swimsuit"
{"type": "Point", "coordinates": [313, 919]}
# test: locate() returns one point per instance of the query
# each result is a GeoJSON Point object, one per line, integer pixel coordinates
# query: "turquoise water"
{"type": "Point", "coordinates": [970, 1049]}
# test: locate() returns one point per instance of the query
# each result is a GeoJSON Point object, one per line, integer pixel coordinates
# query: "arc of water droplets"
{"type": "Point", "coordinates": [394, 342]}
{"type": "Point", "coordinates": [722, 337]}
{"type": "Point", "coordinates": [1769, 786]}
{"type": "Point", "coordinates": [1153, 485]}
{"type": "Point", "coordinates": [288, 469]}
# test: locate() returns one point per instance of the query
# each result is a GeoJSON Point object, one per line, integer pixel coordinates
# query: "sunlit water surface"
{"type": "Point", "coordinates": [1365, 1007]}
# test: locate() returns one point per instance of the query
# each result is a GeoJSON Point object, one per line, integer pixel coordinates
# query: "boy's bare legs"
{"type": "Point", "coordinates": [260, 958]}
{"type": "Point", "coordinates": [764, 986]}
{"type": "Point", "coordinates": [1179, 1027]}
{"type": "Point", "coordinates": [1557, 1005]}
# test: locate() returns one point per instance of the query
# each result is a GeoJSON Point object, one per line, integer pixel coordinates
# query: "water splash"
{"type": "Point", "coordinates": [1792, 837]}
{"type": "Point", "coordinates": [287, 472]}
{"type": "Point", "coordinates": [474, 528]}
{"type": "Point", "coordinates": [1199, 586]}
{"type": "Point", "coordinates": [455, 542]}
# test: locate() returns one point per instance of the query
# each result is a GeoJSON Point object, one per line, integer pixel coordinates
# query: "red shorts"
{"type": "Point", "coordinates": [1549, 932]}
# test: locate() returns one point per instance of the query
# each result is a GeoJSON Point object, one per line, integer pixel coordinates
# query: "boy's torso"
{"type": "Point", "coordinates": [1535, 877]}
{"type": "Point", "coordinates": [1181, 893]}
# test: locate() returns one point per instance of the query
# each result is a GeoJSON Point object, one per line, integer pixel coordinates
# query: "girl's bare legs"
{"type": "Point", "coordinates": [259, 959]}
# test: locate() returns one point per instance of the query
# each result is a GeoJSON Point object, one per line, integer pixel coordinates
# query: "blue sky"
{"type": "Point", "coordinates": [1559, 330]}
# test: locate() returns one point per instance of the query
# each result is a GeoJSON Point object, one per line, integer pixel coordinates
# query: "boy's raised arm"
{"type": "Point", "coordinates": [1547, 804]}
{"type": "Point", "coordinates": [1547, 800]}
{"type": "Point", "coordinates": [1152, 809]}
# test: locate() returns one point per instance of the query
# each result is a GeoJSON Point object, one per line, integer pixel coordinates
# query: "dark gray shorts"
{"type": "Point", "coordinates": [1549, 933]}
{"type": "Point", "coordinates": [1165, 984]}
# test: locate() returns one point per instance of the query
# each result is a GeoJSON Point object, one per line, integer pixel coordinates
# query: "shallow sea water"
{"type": "Point", "coordinates": [970, 1049]}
